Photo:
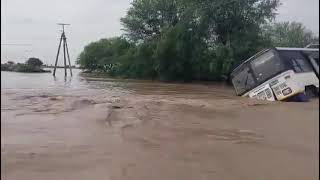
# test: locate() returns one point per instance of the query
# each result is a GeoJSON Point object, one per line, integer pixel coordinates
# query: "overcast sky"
{"type": "Point", "coordinates": [34, 22]}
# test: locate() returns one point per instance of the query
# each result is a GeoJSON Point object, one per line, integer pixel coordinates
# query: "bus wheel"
{"type": "Point", "coordinates": [301, 97]}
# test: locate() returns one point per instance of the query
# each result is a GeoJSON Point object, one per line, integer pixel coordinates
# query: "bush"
{"type": "Point", "coordinates": [34, 62]}
{"type": "Point", "coordinates": [5, 67]}
{"type": "Point", "coordinates": [26, 68]}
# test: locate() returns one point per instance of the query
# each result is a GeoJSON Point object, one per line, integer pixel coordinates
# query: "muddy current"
{"type": "Point", "coordinates": [97, 128]}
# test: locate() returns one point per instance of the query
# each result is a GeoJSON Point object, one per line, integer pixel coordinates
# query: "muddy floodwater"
{"type": "Point", "coordinates": [92, 128]}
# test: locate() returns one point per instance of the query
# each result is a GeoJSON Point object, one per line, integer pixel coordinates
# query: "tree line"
{"type": "Point", "coordinates": [185, 40]}
{"type": "Point", "coordinates": [32, 65]}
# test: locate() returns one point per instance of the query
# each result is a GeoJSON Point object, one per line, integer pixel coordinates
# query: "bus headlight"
{"type": "Point", "coordinates": [287, 91]}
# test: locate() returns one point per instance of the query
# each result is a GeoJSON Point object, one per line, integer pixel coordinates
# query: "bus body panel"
{"type": "Point", "coordinates": [263, 93]}
{"type": "Point", "coordinates": [307, 79]}
{"type": "Point", "coordinates": [287, 86]}
{"type": "Point", "coordinates": [282, 86]}
{"type": "Point", "coordinates": [289, 82]}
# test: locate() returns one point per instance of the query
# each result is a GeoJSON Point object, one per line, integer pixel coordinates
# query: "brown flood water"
{"type": "Point", "coordinates": [91, 129]}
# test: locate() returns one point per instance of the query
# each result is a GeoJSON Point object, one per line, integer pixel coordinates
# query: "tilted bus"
{"type": "Point", "coordinates": [278, 74]}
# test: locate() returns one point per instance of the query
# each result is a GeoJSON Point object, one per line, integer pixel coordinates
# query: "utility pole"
{"type": "Point", "coordinates": [63, 40]}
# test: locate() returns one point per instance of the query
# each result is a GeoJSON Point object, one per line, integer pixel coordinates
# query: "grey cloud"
{"type": "Point", "coordinates": [306, 12]}
{"type": "Point", "coordinates": [34, 22]}
{"type": "Point", "coordinates": [19, 20]}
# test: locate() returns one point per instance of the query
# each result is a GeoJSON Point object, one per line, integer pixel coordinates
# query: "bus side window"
{"type": "Point", "coordinates": [297, 61]}
{"type": "Point", "coordinates": [296, 67]}
{"type": "Point", "coordinates": [301, 65]}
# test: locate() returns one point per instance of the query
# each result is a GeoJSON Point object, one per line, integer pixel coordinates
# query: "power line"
{"type": "Point", "coordinates": [11, 44]}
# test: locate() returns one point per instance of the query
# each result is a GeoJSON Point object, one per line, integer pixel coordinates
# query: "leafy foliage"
{"type": "Point", "coordinates": [186, 39]}
{"type": "Point", "coordinates": [146, 19]}
{"type": "Point", "coordinates": [103, 54]}
{"type": "Point", "coordinates": [288, 34]}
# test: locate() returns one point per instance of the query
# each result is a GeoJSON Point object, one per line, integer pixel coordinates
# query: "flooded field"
{"type": "Point", "coordinates": [91, 128]}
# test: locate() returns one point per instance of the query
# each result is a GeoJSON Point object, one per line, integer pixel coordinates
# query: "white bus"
{"type": "Point", "coordinates": [278, 74]}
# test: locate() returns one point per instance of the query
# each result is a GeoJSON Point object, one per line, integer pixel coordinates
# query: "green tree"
{"type": "Point", "coordinates": [235, 24]}
{"type": "Point", "coordinates": [103, 54]}
{"type": "Point", "coordinates": [141, 63]}
{"type": "Point", "coordinates": [290, 34]}
{"type": "Point", "coordinates": [183, 39]}
{"type": "Point", "coordinates": [146, 19]}
{"type": "Point", "coordinates": [36, 62]}
{"type": "Point", "coordinates": [174, 54]}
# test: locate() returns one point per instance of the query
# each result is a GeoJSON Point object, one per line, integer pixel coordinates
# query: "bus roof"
{"type": "Point", "coordinates": [276, 48]}
{"type": "Point", "coordinates": [257, 54]}
{"type": "Point", "coordinates": [312, 46]}
{"type": "Point", "coordinates": [296, 49]}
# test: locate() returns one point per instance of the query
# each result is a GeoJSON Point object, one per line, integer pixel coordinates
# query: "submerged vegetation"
{"type": "Point", "coordinates": [32, 65]}
{"type": "Point", "coordinates": [190, 39]}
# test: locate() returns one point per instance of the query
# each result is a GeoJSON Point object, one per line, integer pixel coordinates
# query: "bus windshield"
{"type": "Point", "coordinates": [266, 66]}
{"type": "Point", "coordinates": [243, 80]}
{"type": "Point", "coordinates": [263, 67]}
